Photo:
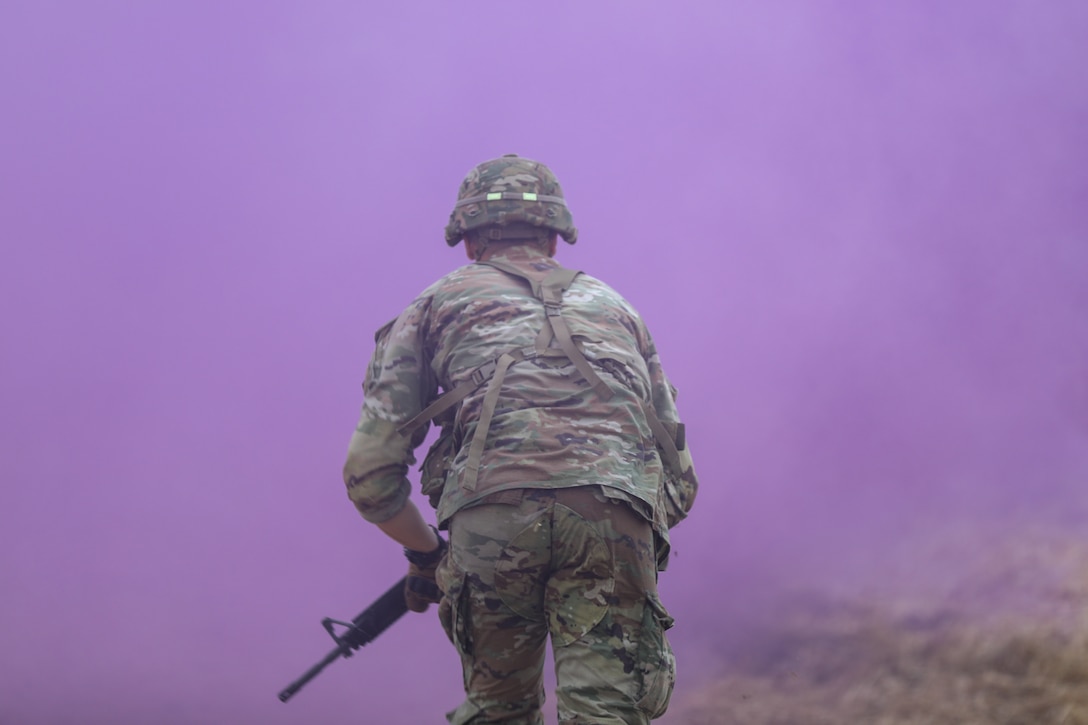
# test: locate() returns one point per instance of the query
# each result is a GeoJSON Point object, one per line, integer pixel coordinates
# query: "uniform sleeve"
{"type": "Point", "coordinates": [682, 484]}
{"type": "Point", "coordinates": [398, 385]}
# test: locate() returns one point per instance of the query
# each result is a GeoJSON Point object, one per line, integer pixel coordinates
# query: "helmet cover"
{"type": "Point", "coordinates": [510, 190]}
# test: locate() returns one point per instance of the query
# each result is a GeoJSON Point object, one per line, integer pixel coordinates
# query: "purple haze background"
{"type": "Point", "coordinates": [857, 230]}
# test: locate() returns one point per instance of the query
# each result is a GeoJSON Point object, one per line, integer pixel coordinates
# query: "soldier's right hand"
{"type": "Point", "coordinates": [420, 588]}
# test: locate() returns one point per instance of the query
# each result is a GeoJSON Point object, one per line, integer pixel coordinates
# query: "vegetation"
{"type": "Point", "coordinates": [1004, 642]}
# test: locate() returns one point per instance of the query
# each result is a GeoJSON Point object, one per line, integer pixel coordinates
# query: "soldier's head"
{"type": "Point", "coordinates": [510, 200]}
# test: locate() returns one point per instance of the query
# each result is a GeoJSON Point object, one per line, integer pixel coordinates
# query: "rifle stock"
{"type": "Point", "coordinates": [362, 630]}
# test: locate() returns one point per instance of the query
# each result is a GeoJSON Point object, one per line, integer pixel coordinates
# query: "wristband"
{"type": "Point", "coordinates": [424, 559]}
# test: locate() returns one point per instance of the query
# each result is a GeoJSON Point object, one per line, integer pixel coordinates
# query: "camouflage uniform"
{"type": "Point", "coordinates": [559, 527]}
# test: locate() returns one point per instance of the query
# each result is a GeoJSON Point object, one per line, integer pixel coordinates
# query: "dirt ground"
{"type": "Point", "coordinates": [994, 638]}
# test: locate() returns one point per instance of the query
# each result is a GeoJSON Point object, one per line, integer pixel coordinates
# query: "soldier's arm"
{"type": "Point", "coordinates": [397, 386]}
{"type": "Point", "coordinates": [408, 529]}
{"type": "Point", "coordinates": [664, 402]}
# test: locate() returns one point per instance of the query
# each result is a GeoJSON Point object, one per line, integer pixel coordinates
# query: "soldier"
{"type": "Point", "coordinates": [560, 466]}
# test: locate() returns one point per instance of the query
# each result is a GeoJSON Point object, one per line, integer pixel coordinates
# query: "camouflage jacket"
{"type": "Point", "coordinates": [549, 429]}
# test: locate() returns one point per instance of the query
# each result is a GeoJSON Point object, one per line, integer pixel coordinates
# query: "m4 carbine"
{"type": "Point", "coordinates": [362, 630]}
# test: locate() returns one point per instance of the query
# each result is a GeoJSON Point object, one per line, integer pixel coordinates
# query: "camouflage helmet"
{"type": "Point", "coordinates": [512, 192]}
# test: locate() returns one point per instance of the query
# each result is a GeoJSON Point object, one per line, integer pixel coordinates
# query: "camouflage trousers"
{"type": "Point", "coordinates": [573, 564]}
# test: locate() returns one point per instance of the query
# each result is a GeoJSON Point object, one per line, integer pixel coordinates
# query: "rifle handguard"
{"type": "Point", "coordinates": [426, 559]}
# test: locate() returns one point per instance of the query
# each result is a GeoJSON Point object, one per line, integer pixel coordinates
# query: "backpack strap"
{"type": "Point", "coordinates": [487, 411]}
{"type": "Point", "coordinates": [452, 397]}
{"type": "Point", "coordinates": [669, 436]}
{"type": "Point", "coordinates": [550, 291]}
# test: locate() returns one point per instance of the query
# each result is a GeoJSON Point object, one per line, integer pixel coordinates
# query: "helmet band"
{"type": "Point", "coordinates": [512, 195]}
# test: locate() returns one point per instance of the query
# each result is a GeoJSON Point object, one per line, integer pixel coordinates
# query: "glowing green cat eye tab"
{"type": "Point", "coordinates": [525, 195]}
{"type": "Point", "coordinates": [512, 196]}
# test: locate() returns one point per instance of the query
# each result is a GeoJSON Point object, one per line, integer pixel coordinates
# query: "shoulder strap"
{"type": "Point", "coordinates": [670, 437]}
{"type": "Point", "coordinates": [549, 290]}
{"type": "Point", "coordinates": [554, 285]}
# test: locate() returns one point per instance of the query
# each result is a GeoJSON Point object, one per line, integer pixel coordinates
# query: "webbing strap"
{"type": "Point", "coordinates": [665, 438]}
{"type": "Point", "coordinates": [668, 443]}
{"type": "Point", "coordinates": [544, 339]}
{"type": "Point", "coordinates": [550, 292]}
{"type": "Point", "coordinates": [449, 399]}
{"type": "Point", "coordinates": [515, 272]}
{"type": "Point", "coordinates": [452, 397]}
{"type": "Point", "coordinates": [479, 436]}
{"type": "Point", "coordinates": [554, 284]}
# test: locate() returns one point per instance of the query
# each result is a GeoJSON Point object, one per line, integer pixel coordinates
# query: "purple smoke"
{"type": "Point", "coordinates": [858, 232]}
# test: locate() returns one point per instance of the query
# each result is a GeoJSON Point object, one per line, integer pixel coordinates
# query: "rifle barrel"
{"type": "Point", "coordinates": [311, 673]}
{"type": "Point", "coordinates": [366, 626]}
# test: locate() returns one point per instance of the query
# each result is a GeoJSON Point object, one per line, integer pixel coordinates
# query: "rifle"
{"type": "Point", "coordinates": [362, 630]}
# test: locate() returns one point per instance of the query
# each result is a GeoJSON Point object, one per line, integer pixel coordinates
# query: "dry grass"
{"type": "Point", "coordinates": [1003, 642]}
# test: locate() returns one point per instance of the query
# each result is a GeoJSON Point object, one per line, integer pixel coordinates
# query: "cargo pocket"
{"type": "Point", "coordinates": [432, 472]}
{"type": "Point", "coordinates": [657, 664]}
{"type": "Point", "coordinates": [453, 610]}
